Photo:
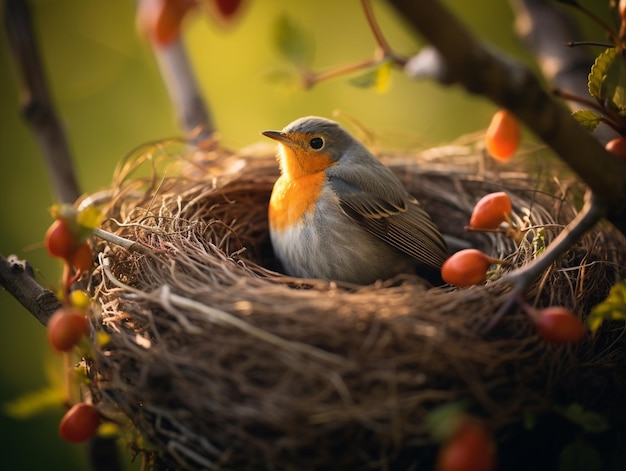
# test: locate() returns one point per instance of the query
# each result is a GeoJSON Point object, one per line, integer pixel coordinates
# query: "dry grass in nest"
{"type": "Point", "coordinates": [223, 363]}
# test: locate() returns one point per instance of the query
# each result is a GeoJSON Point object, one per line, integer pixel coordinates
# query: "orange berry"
{"type": "Point", "coordinates": [80, 423]}
{"type": "Point", "coordinates": [503, 136]}
{"type": "Point", "coordinates": [66, 327]}
{"type": "Point", "coordinates": [558, 325]}
{"type": "Point", "coordinates": [490, 211]}
{"type": "Point", "coordinates": [471, 448]}
{"type": "Point", "coordinates": [617, 146]}
{"type": "Point", "coordinates": [466, 267]}
{"type": "Point", "coordinates": [59, 240]}
{"type": "Point", "coordinates": [82, 257]}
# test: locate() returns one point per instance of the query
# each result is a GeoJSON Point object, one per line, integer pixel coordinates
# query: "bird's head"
{"type": "Point", "coordinates": [310, 145]}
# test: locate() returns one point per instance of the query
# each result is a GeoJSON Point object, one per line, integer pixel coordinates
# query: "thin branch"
{"type": "Point", "coordinates": [37, 108]}
{"type": "Point", "coordinates": [381, 42]}
{"type": "Point", "coordinates": [193, 114]}
{"type": "Point", "coordinates": [511, 85]}
{"type": "Point", "coordinates": [593, 211]}
{"type": "Point", "coordinates": [522, 278]}
{"type": "Point", "coordinates": [311, 78]}
{"type": "Point", "coordinates": [128, 244]}
{"type": "Point", "coordinates": [612, 120]}
{"type": "Point", "coordinates": [16, 276]}
{"type": "Point", "coordinates": [546, 29]}
{"type": "Point", "coordinates": [599, 21]}
{"type": "Point", "coordinates": [588, 43]}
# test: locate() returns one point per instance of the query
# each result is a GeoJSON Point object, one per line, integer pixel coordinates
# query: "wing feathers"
{"type": "Point", "coordinates": [401, 222]}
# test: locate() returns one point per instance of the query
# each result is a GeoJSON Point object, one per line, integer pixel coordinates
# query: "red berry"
{"type": "Point", "coordinates": [490, 211]}
{"type": "Point", "coordinates": [617, 146]}
{"type": "Point", "coordinates": [82, 257]}
{"type": "Point", "coordinates": [227, 8]}
{"type": "Point", "coordinates": [80, 423]}
{"type": "Point", "coordinates": [470, 448]}
{"type": "Point", "coordinates": [66, 327]}
{"type": "Point", "coordinates": [466, 267]}
{"type": "Point", "coordinates": [503, 136]}
{"type": "Point", "coordinates": [59, 240]}
{"type": "Point", "coordinates": [558, 325]}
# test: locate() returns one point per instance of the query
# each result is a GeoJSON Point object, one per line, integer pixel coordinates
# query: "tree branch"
{"type": "Point", "coordinates": [193, 114]}
{"type": "Point", "coordinates": [585, 220]}
{"type": "Point", "coordinates": [16, 276]}
{"type": "Point", "coordinates": [37, 108]}
{"type": "Point", "coordinates": [546, 30]}
{"type": "Point", "coordinates": [511, 85]}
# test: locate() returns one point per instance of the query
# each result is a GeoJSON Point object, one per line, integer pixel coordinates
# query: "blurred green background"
{"type": "Point", "coordinates": [109, 94]}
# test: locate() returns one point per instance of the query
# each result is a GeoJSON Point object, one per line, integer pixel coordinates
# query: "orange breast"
{"type": "Point", "coordinates": [293, 198]}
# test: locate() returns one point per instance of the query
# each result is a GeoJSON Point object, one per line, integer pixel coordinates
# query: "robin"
{"type": "Point", "coordinates": [337, 213]}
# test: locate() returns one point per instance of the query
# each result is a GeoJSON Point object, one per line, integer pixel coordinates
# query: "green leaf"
{"type": "Point", "coordinates": [614, 85]}
{"type": "Point", "coordinates": [377, 78]}
{"type": "Point", "coordinates": [590, 421]}
{"type": "Point", "coordinates": [580, 456]}
{"type": "Point", "coordinates": [293, 43]}
{"type": "Point", "coordinates": [365, 80]}
{"type": "Point", "coordinates": [383, 77]}
{"type": "Point", "coordinates": [598, 72]}
{"type": "Point", "coordinates": [443, 420]}
{"type": "Point", "coordinates": [34, 402]}
{"type": "Point", "coordinates": [613, 308]}
{"type": "Point", "coordinates": [588, 119]}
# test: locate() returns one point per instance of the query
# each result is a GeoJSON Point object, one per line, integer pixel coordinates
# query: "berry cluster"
{"type": "Point", "coordinates": [67, 239]}
{"type": "Point", "coordinates": [469, 267]}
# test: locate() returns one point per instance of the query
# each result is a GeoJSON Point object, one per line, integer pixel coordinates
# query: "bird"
{"type": "Point", "coordinates": [338, 213]}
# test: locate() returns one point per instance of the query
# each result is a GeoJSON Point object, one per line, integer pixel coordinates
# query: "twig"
{"type": "Point", "coordinates": [127, 244]}
{"type": "Point", "coordinates": [546, 30]}
{"type": "Point", "coordinates": [193, 113]}
{"type": "Point", "coordinates": [612, 120]}
{"type": "Point", "coordinates": [599, 21]}
{"type": "Point", "coordinates": [523, 277]}
{"type": "Point", "coordinates": [382, 54]}
{"type": "Point", "coordinates": [588, 43]}
{"type": "Point", "coordinates": [509, 84]}
{"type": "Point", "coordinates": [37, 108]}
{"type": "Point", "coordinates": [593, 211]}
{"type": "Point", "coordinates": [379, 37]}
{"type": "Point", "coordinates": [311, 78]}
{"type": "Point", "coordinates": [16, 276]}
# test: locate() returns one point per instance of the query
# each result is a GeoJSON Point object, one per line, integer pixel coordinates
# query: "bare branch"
{"type": "Point", "coordinates": [511, 85]}
{"type": "Point", "coordinates": [16, 276]}
{"type": "Point", "coordinates": [546, 30]}
{"type": "Point", "coordinates": [37, 108]}
{"type": "Point", "coordinates": [589, 216]}
{"type": "Point", "coordinates": [193, 115]}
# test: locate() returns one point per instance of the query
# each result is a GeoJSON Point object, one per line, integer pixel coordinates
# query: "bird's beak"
{"type": "Point", "coordinates": [277, 136]}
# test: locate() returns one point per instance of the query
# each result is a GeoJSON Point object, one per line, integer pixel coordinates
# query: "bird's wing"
{"type": "Point", "coordinates": [387, 210]}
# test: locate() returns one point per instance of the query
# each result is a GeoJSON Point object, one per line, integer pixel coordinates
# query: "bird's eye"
{"type": "Point", "coordinates": [316, 143]}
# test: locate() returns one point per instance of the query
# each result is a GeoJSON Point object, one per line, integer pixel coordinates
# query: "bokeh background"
{"type": "Point", "coordinates": [106, 85]}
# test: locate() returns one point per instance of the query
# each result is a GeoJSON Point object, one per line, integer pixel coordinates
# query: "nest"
{"type": "Point", "coordinates": [222, 362]}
